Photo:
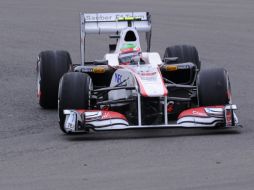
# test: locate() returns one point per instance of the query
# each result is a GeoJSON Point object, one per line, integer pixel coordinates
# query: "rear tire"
{"type": "Point", "coordinates": [51, 66]}
{"type": "Point", "coordinates": [74, 93]}
{"type": "Point", "coordinates": [213, 87]}
{"type": "Point", "coordinates": [185, 53]}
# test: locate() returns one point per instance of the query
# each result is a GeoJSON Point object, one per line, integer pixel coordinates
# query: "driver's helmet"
{"type": "Point", "coordinates": [130, 58]}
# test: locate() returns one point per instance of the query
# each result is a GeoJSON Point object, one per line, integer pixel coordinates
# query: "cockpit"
{"type": "Point", "coordinates": [131, 58]}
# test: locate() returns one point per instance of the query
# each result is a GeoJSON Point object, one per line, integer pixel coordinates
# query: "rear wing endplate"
{"type": "Point", "coordinates": [113, 23]}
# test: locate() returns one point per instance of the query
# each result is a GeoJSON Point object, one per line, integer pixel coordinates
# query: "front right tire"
{"type": "Point", "coordinates": [74, 93]}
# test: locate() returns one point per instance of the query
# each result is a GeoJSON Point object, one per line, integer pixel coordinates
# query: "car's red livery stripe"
{"type": "Point", "coordinates": [105, 114]}
{"type": "Point", "coordinates": [197, 112]}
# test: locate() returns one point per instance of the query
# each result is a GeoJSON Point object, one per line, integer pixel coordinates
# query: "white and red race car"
{"type": "Point", "coordinates": [130, 88]}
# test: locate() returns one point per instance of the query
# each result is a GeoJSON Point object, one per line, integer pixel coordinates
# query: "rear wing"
{"type": "Point", "coordinates": [113, 23]}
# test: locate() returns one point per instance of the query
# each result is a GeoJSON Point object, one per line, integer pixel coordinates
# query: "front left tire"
{"type": "Point", "coordinates": [214, 87]}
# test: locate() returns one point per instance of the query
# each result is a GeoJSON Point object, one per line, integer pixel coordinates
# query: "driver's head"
{"type": "Point", "coordinates": [129, 58]}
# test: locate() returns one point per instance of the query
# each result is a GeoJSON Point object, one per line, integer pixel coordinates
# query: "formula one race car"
{"type": "Point", "coordinates": [130, 88]}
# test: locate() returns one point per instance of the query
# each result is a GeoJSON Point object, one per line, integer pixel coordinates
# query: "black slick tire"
{"type": "Point", "coordinates": [213, 87]}
{"type": "Point", "coordinates": [51, 66]}
{"type": "Point", "coordinates": [74, 93]}
{"type": "Point", "coordinates": [184, 53]}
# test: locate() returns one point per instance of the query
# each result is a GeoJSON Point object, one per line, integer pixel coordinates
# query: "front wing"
{"type": "Point", "coordinates": [101, 120]}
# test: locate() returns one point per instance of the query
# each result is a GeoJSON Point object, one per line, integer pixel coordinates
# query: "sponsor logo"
{"type": "Point", "coordinates": [148, 76]}
{"type": "Point", "coordinates": [128, 16]}
{"type": "Point", "coordinates": [87, 70]}
{"type": "Point", "coordinates": [118, 78]}
{"type": "Point", "coordinates": [147, 73]}
{"type": "Point", "coordinates": [94, 70]}
{"type": "Point", "coordinates": [98, 17]}
{"type": "Point", "coordinates": [198, 113]}
{"type": "Point", "coordinates": [183, 66]}
{"type": "Point", "coordinates": [93, 17]}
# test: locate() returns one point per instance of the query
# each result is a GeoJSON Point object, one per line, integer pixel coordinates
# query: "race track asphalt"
{"type": "Point", "coordinates": [35, 155]}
